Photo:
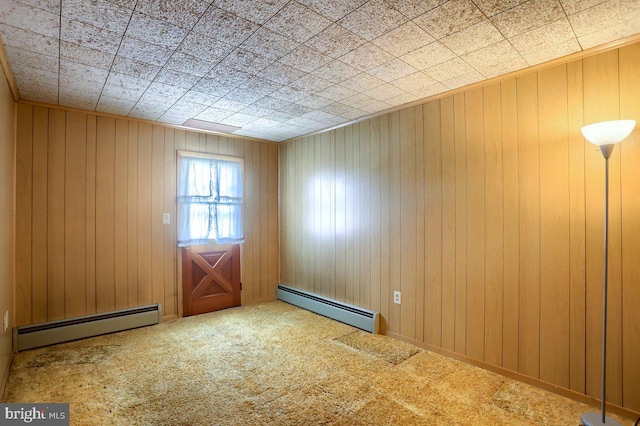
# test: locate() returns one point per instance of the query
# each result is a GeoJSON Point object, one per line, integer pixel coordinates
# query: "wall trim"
{"type": "Point", "coordinates": [4, 374]}
{"type": "Point", "coordinates": [567, 393]}
{"type": "Point", "coordinates": [8, 74]}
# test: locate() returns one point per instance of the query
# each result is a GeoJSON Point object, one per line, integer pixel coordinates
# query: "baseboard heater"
{"type": "Point", "coordinates": [50, 333]}
{"type": "Point", "coordinates": [363, 319]}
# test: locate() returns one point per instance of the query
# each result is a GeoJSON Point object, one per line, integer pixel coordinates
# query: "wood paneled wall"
{"type": "Point", "coordinates": [7, 130]}
{"type": "Point", "coordinates": [485, 209]}
{"type": "Point", "coordinates": [91, 191]}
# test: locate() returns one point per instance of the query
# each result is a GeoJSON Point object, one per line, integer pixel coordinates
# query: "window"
{"type": "Point", "coordinates": [209, 199]}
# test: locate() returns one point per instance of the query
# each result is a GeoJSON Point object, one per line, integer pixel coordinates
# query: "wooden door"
{"type": "Point", "coordinates": [210, 278]}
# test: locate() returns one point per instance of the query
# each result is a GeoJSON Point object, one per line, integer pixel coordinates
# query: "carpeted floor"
{"type": "Point", "coordinates": [271, 364]}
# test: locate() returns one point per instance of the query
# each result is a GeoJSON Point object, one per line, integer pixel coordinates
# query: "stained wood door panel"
{"type": "Point", "coordinates": [210, 278]}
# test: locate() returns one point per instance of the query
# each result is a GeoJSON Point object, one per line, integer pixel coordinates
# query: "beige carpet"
{"type": "Point", "coordinates": [271, 364]}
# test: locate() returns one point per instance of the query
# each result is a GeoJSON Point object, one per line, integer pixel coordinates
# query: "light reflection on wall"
{"type": "Point", "coordinates": [328, 206]}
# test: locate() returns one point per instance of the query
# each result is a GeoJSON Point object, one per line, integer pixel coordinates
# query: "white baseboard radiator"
{"type": "Point", "coordinates": [50, 333]}
{"type": "Point", "coordinates": [363, 319]}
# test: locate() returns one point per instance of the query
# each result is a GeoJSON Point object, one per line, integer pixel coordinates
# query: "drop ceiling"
{"type": "Point", "coordinates": [277, 69]}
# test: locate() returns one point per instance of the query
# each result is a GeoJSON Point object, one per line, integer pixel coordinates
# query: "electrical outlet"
{"type": "Point", "coordinates": [397, 297]}
{"type": "Point", "coordinates": [6, 321]}
{"type": "Point", "coordinates": [166, 218]}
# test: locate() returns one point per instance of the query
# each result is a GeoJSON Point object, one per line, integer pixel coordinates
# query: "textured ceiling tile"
{"type": "Point", "coordinates": [287, 22]}
{"type": "Point", "coordinates": [473, 38]}
{"type": "Point", "coordinates": [494, 54]}
{"type": "Point", "coordinates": [21, 15]}
{"type": "Point", "coordinates": [128, 66]}
{"type": "Point", "coordinates": [338, 92]}
{"type": "Point", "coordinates": [335, 9]}
{"type": "Point", "coordinates": [146, 112]}
{"type": "Point", "coordinates": [336, 72]}
{"type": "Point", "coordinates": [502, 68]}
{"type": "Point", "coordinates": [89, 36]}
{"type": "Point", "coordinates": [335, 41]}
{"type": "Point", "coordinates": [131, 87]}
{"type": "Point", "coordinates": [404, 39]}
{"type": "Point", "coordinates": [311, 83]}
{"type": "Point", "coordinates": [366, 103]}
{"type": "Point", "coordinates": [603, 22]}
{"type": "Point", "coordinates": [366, 57]}
{"type": "Point", "coordinates": [197, 44]}
{"type": "Point", "coordinates": [155, 31]}
{"type": "Point", "coordinates": [114, 105]}
{"type": "Point", "coordinates": [51, 6]}
{"type": "Point", "coordinates": [171, 119]}
{"type": "Point", "coordinates": [239, 119]}
{"type": "Point", "coordinates": [450, 18]}
{"type": "Point", "coordinates": [373, 19]}
{"type": "Point", "coordinates": [614, 32]}
{"type": "Point", "coordinates": [463, 80]}
{"type": "Point", "coordinates": [28, 76]}
{"type": "Point", "coordinates": [343, 110]}
{"type": "Point", "coordinates": [86, 56]}
{"type": "Point", "coordinates": [184, 13]}
{"type": "Point", "coordinates": [314, 101]}
{"type": "Point", "coordinates": [169, 91]}
{"type": "Point", "coordinates": [81, 103]}
{"type": "Point", "coordinates": [303, 122]}
{"type": "Point", "coordinates": [38, 93]}
{"type": "Point", "coordinates": [189, 64]}
{"type": "Point", "coordinates": [98, 13]}
{"type": "Point", "coordinates": [392, 70]}
{"type": "Point", "coordinates": [225, 26]}
{"type": "Point", "coordinates": [545, 36]}
{"type": "Point", "coordinates": [28, 40]}
{"type": "Point", "coordinates": [229, 105]}
{"type": "Point", "coordinates": [402, 99]}
{"type": "Point", "coordinates": [413, 82]}
{"type": "Point", "coordinates": [176, 78]}
{"type": "Point", "coordinates": [428, 56]}
{"type": "Point", "coordinates": [199, 98]}
{"type": "Point", "coordinates": [145, 52]}
{"type": "Point", "coordinates": [414, 8]}
{"type": "Point", "coordinates": [384, 92]}
{"type": "Point", "coordinates": [256, 11]}
{"type": "Point", "coordinates": [446, 70]}
{"type": "Point", "coordinates": [305, 58]}
{"type": "Point", "coordinates": [127, 4]}
{"type": "Point", "coordinates": [214, 114]}
{"type": "Point", "coordinates": [281, 73]}
{"type": "Point", "coordinates": [527, 16]}
{"type": "Point", "coordinates": [362, 82]}
{"type": "Point", "coordinates": [573, 6]}
{"type": "Point", "coordinates": [243, 60]}
{"type": "Point", "coordinates": [79, 89]}
{"type": "Point", "coordinates": [323, 117]}
{"type": "Point", "coordinates": [288, 93]}
{"type": "Point", "coordinates": [270, 44]}
{"type": "Point", "coordinates": [430, 90]}
{"type": "Point", "coordinates": [212, 87]}
{"type": "Point", "coordinates": [70, 71]}
{"type": "Point", "coordinates": [243, 95]}
{"type": "Point", "coordinates": [260, 85]}
{"type": "Point", "coordinates": [493, 7]}
{"type": "Point", "coordinates": [33, 60]}
{"type": "Point", "coordinates": [184, 108]}
{"type": "Point", "coordinates": [550, 52]}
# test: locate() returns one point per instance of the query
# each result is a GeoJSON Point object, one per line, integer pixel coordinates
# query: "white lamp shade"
{"type": "Point", "coordinates": [608, 132]}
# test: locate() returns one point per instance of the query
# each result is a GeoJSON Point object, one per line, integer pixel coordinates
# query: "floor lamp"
{"type": "Point", "coordinates": [606, 135]}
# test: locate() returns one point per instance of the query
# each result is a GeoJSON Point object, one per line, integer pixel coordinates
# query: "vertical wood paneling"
{"type": "Point", "coordinates": [91, 192]}
{"type": "Point", "coordinates": [475, 224]}
{"type": "Point", "coordinates": [630, 153]}
{"type": "Point", "coordinates": [461, 223]}
{"type": "Point", "coordinates": [74, 218]}
{"type": "Point", "coordinates": [24, 192]}
{"type": "Point", "coordinates": [105, 215]}
{"type": "Point", "coordinates": [511, 213]}
{"type": "Point", "coordinates": [406, 256]}
{"type": "Point", "coordinates": [121, 214]}
{"type": "Point", "coordinates": [494, 225]}
{"type": "Point", "coordinates": [39, 215]}
{"type": "Point", "coordinates": [529, 208]}
{"type": "Point", "coordinates": [490, 222]}
{"type": "Point", "coordinates": [447, 129]}
{"type": "Point", "coordinates": [431, 231]}
{"type": "Point", "coordinates": [576, 227]}
{"type": "Point", "coordinates": [55, 216]}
